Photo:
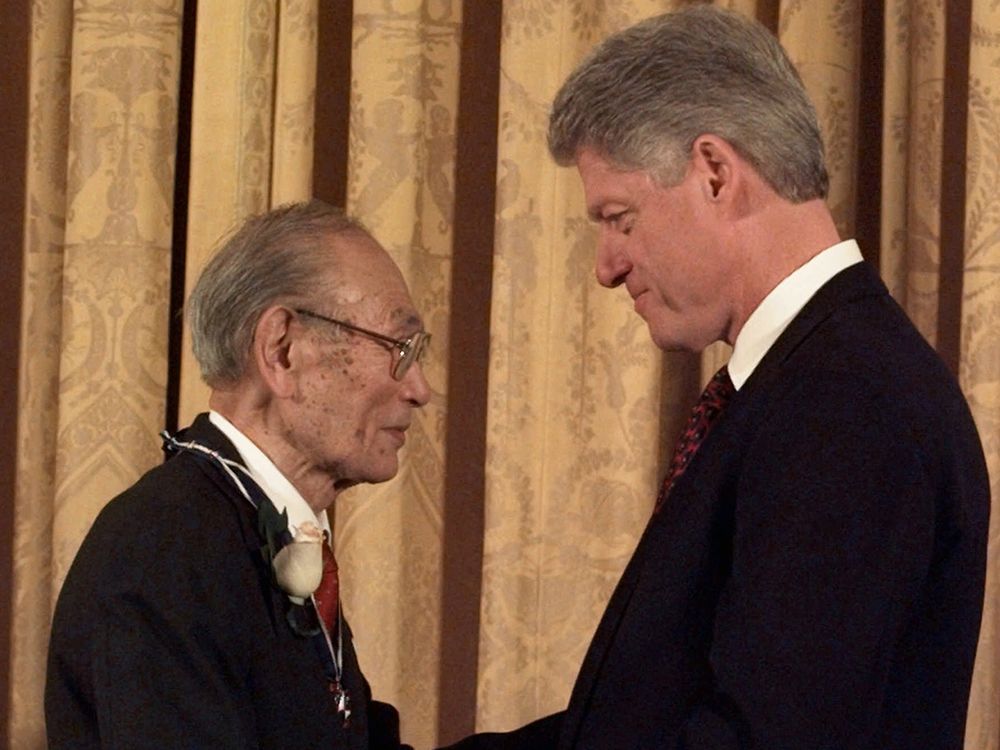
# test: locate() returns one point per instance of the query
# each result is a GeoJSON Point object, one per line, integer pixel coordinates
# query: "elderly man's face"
{"type": "Point", "coordinates": [349, 417]}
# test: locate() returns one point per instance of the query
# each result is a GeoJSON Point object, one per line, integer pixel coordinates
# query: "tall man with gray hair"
{"type": "Point", "coordinates": [812, 575]}
{"type": "Point", "coordinates": [202, 609]}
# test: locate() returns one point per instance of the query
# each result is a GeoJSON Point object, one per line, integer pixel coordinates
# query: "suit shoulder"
{"type": "Point", "coordinates": [176, 511]}
{"type": "Point", "coordinates": [170, 492]}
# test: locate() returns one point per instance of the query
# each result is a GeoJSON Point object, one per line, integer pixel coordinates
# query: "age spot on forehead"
{"type": "Point", "coordinates": [401, 316]}
{"type": "Point", "coordinates": [404, 315]}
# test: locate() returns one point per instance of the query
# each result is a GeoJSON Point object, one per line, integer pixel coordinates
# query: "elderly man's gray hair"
{"type": "Point", "coordinates": [278, 257]}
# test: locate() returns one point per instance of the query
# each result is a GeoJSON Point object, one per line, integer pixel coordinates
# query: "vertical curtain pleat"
{"type": "Point", "coordinates": [828, 64]}
{"type": "Point", "coordinates": [574, 391]}
{"type": "Point", "coordinates": [401, 184]}
{"type": "Point", "coordinates": [232, 136]}
{"type": "Point", "coordinates": [898, 95]}
{"type": "Point", "coordinates": [112, 369]}
{"type": "Point", "coordinates": [99, 217]}
{"type": "Point", "coordinates": [915, 47]}
{"type": "Point", "coordinates": [979, 370]}
{"type": "Point", "coordinates": [38, 388]}
{"type": "Point", "coordinates": [251, 132]}
{"type": "Point", "coordinates": [294, 102]}
{"type": "Point", "coordinates": [468, 367]}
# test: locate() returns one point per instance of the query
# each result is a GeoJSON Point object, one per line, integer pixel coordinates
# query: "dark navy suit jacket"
{"type": "Point", "coordinates": [815, 579]}
{"type": "Point", "coordinates": [169, 633]}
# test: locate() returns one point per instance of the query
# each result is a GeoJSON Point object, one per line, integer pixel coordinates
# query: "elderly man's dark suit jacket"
{"type": "Point", "coordinates": [815, 579]}
{"type": "Point", "coordinates": [168, 632]}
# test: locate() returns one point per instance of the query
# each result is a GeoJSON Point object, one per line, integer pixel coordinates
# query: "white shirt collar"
{"type": "Point", "coordinates": [275, 485]}
{"type": "Point", "coordinates": [769, 320]}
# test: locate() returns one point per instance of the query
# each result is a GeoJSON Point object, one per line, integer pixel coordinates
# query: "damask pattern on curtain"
{"type": "Point", "coordinates": [389, 537]}
{"type": "Point", "coordinates": [574, 391]}
{"type": "Point", "coordinates": [97, 259]}
{"type": "Point", "coordinates": [979, 371]}
{"type": "Point", "coordinates": [251, 131]}
{"type": "Point", "coordinates": [581, 408]}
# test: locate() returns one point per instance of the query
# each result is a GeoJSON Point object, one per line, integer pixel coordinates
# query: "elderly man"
{"type": "Point", "coordinates": [812, 576]}
{"type": "Point", "coordinates": [202, 608]}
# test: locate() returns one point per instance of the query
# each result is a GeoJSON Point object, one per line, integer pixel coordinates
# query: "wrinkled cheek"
{"type": "Point", "coordinates": [375, 443]}
{"type": "Point", "coordinates": [315, 401]}
{"type": "Point", "coordinates": [321, 419]}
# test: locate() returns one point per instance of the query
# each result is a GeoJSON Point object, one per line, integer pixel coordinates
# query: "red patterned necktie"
{"type": "Point", "coordinates": [711, 404]}
{"type": "Point", "coordinates": [327, 595]}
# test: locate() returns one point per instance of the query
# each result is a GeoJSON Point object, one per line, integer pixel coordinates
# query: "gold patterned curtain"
{"type": "Point", "coordinates": [93, 359]}
{"type": "Point", "coordinates": [404, 91]}
{"type": "Point", "coordinates": [474, 579]}
{"type": "Point", "coordinates": [251, 131]}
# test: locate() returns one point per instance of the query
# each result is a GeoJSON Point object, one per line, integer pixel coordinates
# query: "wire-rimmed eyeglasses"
{"type": "Point", "coordinates": [409, 350]}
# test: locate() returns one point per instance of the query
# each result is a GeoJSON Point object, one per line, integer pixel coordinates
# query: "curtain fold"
{"type": "Point", "coordinates": [979, 370]}
{"type": "Point", "coordinates": [912, 147]}
{"type": "Point", "coordinates": [294, 102]}
{"type": "Point", "coordinates": [251, 133]}
{"type": "Point", "coordinates": [581, 408]}
{"type": "Point", "coordinates": [828, 64]}
{"type": "Point", "coordinates": [404, 91]}
{"type": "Point", "coordinates": [574, 392]}
{"type": "Point", "coordinates": [38, 386]}
{"type": "Point", "coordinates": [99, 217]}
{"type": "Point", "coordinates": [232, 119]}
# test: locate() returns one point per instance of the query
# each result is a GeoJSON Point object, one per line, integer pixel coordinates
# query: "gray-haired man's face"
{"type": "Point", "coordinates": [663, 244]}
{"type": "Point", "coordinates": [349, 416]}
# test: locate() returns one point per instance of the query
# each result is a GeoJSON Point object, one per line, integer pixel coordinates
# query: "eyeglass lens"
{"type": "Point", "coordinates": [409, 353]}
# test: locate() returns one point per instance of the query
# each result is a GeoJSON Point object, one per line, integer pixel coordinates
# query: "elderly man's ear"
{"type": "Point", "coordinates": [275, 350]}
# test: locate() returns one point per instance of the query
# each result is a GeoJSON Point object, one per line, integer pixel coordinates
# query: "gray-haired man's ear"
{"type": "Point", "coordinates": [275, 349]}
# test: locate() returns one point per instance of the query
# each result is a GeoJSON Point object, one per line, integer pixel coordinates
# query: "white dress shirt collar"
{"type": "Point", "coordinates": [276, 486]}
{"type": "Point", "coordinates": [767, 322]}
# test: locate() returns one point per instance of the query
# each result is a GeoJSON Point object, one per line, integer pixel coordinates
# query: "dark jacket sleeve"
{"type": "Point", "coordinates": [542, 734]}
{"type": "Point", "coordinates": [383, 727]}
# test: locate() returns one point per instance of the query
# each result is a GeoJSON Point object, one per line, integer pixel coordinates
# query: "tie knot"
{"type": "Point", "coordinates": [713, 400]}
{"type": "Point", "coordinates": [719, 390]}
{"type": "Point", "coordinates": [327, 596]}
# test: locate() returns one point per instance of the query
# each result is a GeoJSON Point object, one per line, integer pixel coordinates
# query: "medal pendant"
{"type": "Point", "coordinates": [342, 702]}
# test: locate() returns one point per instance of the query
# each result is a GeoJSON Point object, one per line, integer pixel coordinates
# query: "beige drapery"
{"type": "Point", "coordinates": [580, 407]}
{"type": "Point", "coordinates": [96, 274]}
